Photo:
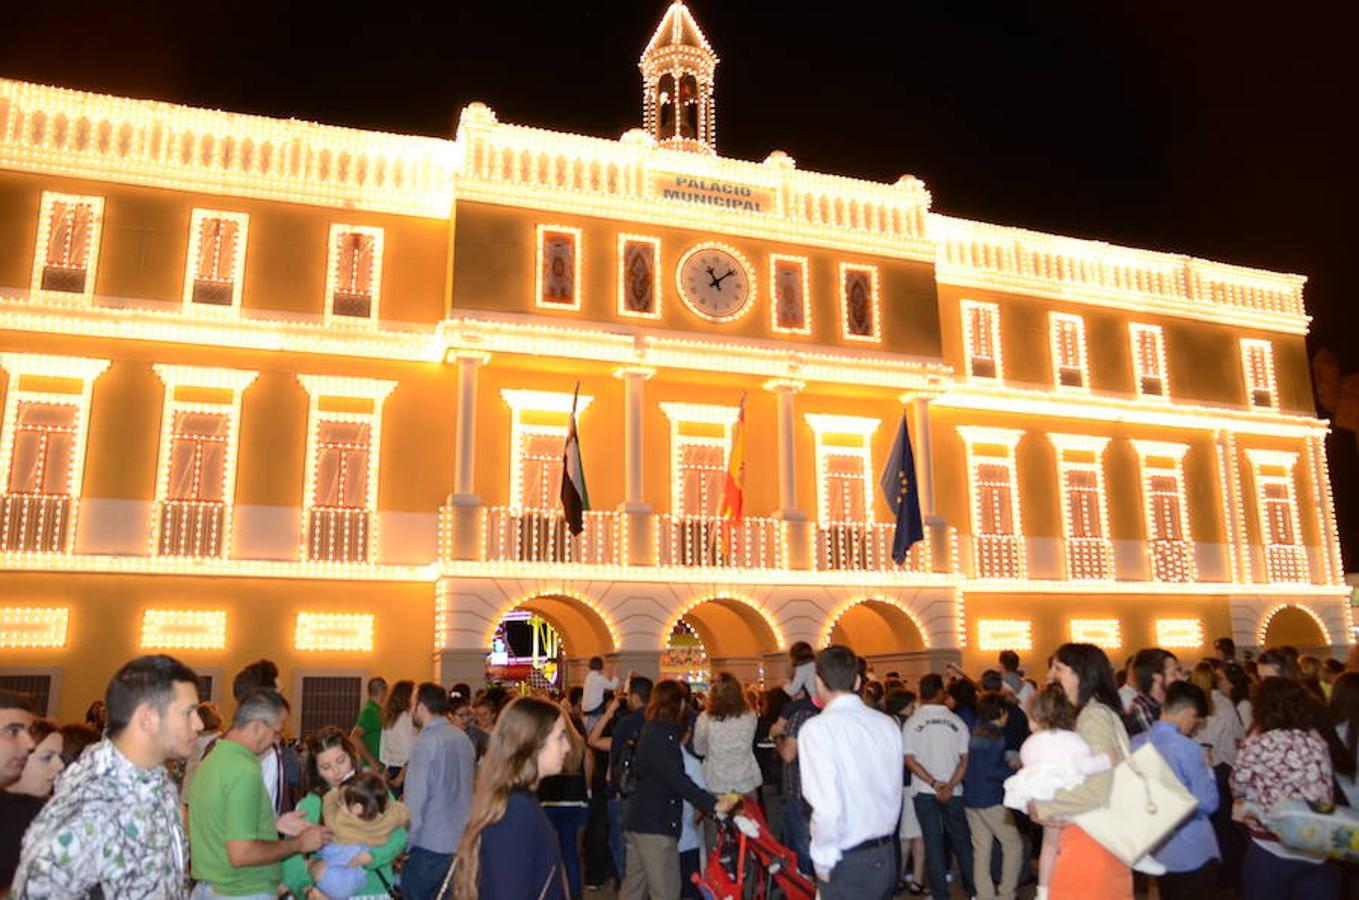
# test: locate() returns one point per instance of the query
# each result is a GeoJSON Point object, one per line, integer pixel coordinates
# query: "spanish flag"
{"type": "Point", "coordinates": [734, 489]}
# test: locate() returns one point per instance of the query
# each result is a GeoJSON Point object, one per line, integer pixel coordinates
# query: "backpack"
{"type": "Point", "coordinates": [625, 769]}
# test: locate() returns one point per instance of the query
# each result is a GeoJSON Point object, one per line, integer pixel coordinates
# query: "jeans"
{"type": "Point", "coordinates": [937, 818]}
{"type": "Point", "coordinates": [797, 833]}
{"type": "Point", "coordinates": [1195, 885]}
{"type": "Point", "coordinates": [867, 874]}
{"type": "Point", "coordinates": [1269, 877]}
{"type": "Point", "coordinates": [569, 820]}
{"type": "Point", "coordinates": [424, 873]}
{"type": "Point", "coordinates": [617, 849]}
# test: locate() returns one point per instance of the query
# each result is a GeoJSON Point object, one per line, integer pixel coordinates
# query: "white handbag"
{"type": "Point", "coordinates": [1146, 804]}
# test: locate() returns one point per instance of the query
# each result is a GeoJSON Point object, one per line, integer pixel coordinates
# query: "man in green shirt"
{"type": "Point", "coordinates": [234, 842]}
{"type": "Point", "coordinates": [367, 732]}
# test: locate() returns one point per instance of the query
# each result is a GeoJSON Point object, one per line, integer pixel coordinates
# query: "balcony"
{"type": "Point", "coordinates": [337, 534]}
{"type": "Point", "coordinates": [998, 555]}
{"type": "Point", "coordinates": [852, 546]}
{"type": "Point", "coordinates": [1287, 563]}
{"type": "Point", "coordinates": [34, 523]}
{"type": "Point", "coordinates": [191, 528]}
{"type": "Point", "coordinates": [525, 535]}
{"type": "Point", "coordinates": [707, 541]}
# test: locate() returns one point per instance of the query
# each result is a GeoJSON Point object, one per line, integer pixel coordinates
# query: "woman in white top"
{"type": "Point", "coordinates": [1232, 681]}
{"type": "Point", "coordinates": [1222, 732]}
{"type": "Point", "coordinates": [398, 734]}
{"type": "Point", "coordinates": [724, 736]}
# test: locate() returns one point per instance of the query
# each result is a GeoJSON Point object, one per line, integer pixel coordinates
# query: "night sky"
{"type": "Point", "coordinates": [1216, 132]}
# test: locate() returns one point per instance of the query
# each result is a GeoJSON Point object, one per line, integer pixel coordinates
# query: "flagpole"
{"type": "Point", "coordinates": [575, 396]}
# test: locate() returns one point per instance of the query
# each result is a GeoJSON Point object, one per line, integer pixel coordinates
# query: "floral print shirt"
{"type": "Point", "coordinates": [112, 829]}
{"type": "Point", "coordinates": [1280, 764]}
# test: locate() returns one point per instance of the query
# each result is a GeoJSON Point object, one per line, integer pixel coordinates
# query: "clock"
{"type": "Point", "coordinates": [714, 281]}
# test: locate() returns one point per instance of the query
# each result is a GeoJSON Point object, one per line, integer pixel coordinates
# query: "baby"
{"type": "Point", "coordinates": [1055, 758]}
{"type": "Point", "coordinates": [361, 816]}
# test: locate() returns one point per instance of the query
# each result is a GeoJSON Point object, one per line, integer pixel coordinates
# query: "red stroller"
{"type": "Point", "coordinates": [748, 864]}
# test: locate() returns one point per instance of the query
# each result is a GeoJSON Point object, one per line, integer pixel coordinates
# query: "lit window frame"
{"type": "Point", "coordinates": [1056, 322]}
{"type": "Point", "coordinates": [338, 231]}
{"type": "Point", "coordinates": [860, 427]}
{"type": "Point", "coordinates": [804, 266]}
{"type": "Point", "coordinates": [322, 387]}
{"type": "Point", "coordinates": [85, 370]}
{"type": "Point", "coordinates": [1165, 459]}
{"type": "Point", "coordinates": [540, 234]}
{"type": "Point", "coordinates": [323, 632]}
{"type": "Point", "coordinates": [992, 312]}
{"type": "Point", "coordinates": [680, 414]}
{"type": "Point", "coordinates": [1065, 447]}
{"type": "Point", "coordinates": [1105, 633]}
{"type": "Point", "coordinates": [1260, 462]}
{"type": "Point", "coordinates": [1178, 633]}
{"type": "Point", "coordinates": [1007, 439]}
{"type": "Point", "coordinates": [235, 381]}
{"type": "Point", "coordinates": [531, 401]}
{"type": "Point", "coordinates": [49, 200]}
{"type": "Point", "coordinates": [994, 635]}
{"type": "Point", "coordinates": [1135, 330]}
{"type": "Point", "coordinates": [50, 624]}
{"type": "Point", "coordinates": [1272, 386]}
{"type": "Point", "coordinates": [623, 241]}
{"type": "Point", "coordinates": [196, 220]}
{"type": "Point", "coordinates": [875, 302]}
{"type": "Point", "coordinates": [183, 629]}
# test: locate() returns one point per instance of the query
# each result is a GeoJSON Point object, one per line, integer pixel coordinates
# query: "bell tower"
{"type": "Point", "coordinates": [677, 84]}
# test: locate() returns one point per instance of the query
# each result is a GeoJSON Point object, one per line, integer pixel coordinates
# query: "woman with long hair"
{"type": "Point", "coordinates": [652, 812]}
{"type": "Point", "coordinates": [1235, 684]}
{"type": "Point", "coordinates": [1222, 733]}
{"type": "Point", "coordinates": [509, 850]}
{"type": "Point", "coordinates": [1083, 868]}
{"type": "Point", "coordinates": [332, 760]}
{"type": "Point", "coordinates": [398, 734]}
{"type": "Point", "coordinates": [25, 798]}
{"type": "Point", "coordinates": [1284, 758]}
{"type": "Point", "coordinates": [724, 736]}
{"type": "Point", "coordinates": [565, 797]}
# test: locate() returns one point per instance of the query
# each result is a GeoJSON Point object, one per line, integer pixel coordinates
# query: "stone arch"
{"type": "Point", "coordinates": [1294, 625]}
{"type": "Point", "coordinates": [886, 632]}
{"type": "Point", "coordinates": [586, 630]}
{"type": "Point", "coordinates": [737, 633]}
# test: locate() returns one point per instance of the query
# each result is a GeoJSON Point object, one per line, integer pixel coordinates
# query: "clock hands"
{"type": "Point", "coordinates": [718, 282]}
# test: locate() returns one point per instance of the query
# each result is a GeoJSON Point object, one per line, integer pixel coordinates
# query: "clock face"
{"type": "Point", "coordinates": [714, 283]}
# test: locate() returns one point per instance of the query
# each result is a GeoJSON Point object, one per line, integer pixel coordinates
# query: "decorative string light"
{"type": "Point", "coordinates": [1066, 337]}
{"type": "Point", "coordinates": [362, 279]}
{"type": "Point", "coordinates": [638, 247]}
{"type": "Point", "coordinates": [1080, 475]}
{"type": "Point", "coordinates": [1105, 633]}
{"type": "Point", "coordinates": [850, 274]}
{"type": "Point", "coordinates": [219, 263]}
{"type": "Point", "coordinates": [1276, 512]}
{"type": "Point", "coordinates": [1170, 545]}
{"type": "Point", "coordinates": [1277, 608]}
{"type": "Point", "coordinates": [184, 629]}
{"type": "Point", "coordinates": [998, 538]}
{"type": "Point", "coordinates": [27, 627]}
{"type": "Point", "coordinates": [1179, 634]}
{"type": "Point", "coordinates": [981, 340]}
{"type": "Point", "coordinates": [1004, 634]}
{"type": "Point", "coordinates": [573, 236]}
{"type": "Point", "coordinates": [77, 256]}
{"type": "Point", "coordinates": [1150, 378]}
{"type": "Point", "coordinates": [334, 631]}
{"type": "Point", "coordinates": [796, 270]}
{"type": "Point", "coordinates": [1257, 366]}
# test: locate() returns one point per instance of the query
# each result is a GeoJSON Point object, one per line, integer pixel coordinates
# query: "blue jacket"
{"type": "Point", "coordinates": [1193, 843]}
{"type": "Point", "coordinates": [657, 804]}
{"type": "Point", "coordinates": [520, 855]}
{"type": "Point", "coordinates": [984, 780]}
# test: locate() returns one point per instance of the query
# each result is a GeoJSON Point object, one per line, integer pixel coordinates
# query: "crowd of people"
{"type": "Point", "coordinates": [878, 784]}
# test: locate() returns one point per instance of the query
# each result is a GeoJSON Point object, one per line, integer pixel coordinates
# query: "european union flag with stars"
{"type": "Point", "coordinates": [899, 490]}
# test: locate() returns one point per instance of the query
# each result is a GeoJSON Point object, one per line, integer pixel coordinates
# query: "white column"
{"type": "Point", "coordinates": [634, 378]}
{"type": "Point", "coordinates": [786, 389]}
{"type": "Point", "coordinates": [1238, 552]}
{"type": "Point", "coordinates": [465, 446]}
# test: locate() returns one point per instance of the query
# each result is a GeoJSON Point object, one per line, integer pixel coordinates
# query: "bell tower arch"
{"type": "Point", "coordinates": [678, 66]}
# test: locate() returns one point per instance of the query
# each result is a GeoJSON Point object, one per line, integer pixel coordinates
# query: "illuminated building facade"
{"type": "Point", "coordinates": [281, 389]}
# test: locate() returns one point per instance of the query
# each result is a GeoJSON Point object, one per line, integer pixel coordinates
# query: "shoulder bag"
{"type": "Point", "coordinates": [1146, 804]}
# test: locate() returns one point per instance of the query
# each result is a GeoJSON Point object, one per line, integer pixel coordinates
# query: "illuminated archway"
{"type": "Point", "coordinates": [876, 627]}
{"type": "Point", "coordinates": [576, 629]}
{"type": "Point", "coordinates": [1292, 625]}
{"type": "Point", "coordinates": [730, 626]}
{"type": "Point", "coordinates": [685, 657]}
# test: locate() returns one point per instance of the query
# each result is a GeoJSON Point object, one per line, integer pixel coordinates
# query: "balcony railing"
{"type": "Point", "coordinates": [191, 528]}
{"type": "Point", "coordinates": [1171, 560]}
{"type": "Point", "coordinates": [337, 534]}
{"type": "Point", "coordinates": [850, 546]}
{"type": "Point", "coordinates": [752, 543]}
{"type": "Point", "coordinates": [998, 555]}
{"type": "Point", "coordinates": [34, 523]}
{"type": "Point", "coordinates": [526, 535]}
{"type": "Point", "coordinates": [1286, 563]}
{"type": "Point", "coordinates": [1089, 559]}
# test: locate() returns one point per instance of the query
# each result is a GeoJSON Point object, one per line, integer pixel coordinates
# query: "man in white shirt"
{"type": "Point", "coordinates": [935, 742]}
{"type": "Point", "coordinates": [592, 696]}
{"type": "Point", "coordinates": [851, 775]}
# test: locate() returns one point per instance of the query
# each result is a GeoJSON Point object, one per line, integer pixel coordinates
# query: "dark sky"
{"type": "Point", "coordinates": [1219, 130]}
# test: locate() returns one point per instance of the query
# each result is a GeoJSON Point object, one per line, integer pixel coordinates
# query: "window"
{"type": "Point", "coordinates": [42, 449]}
{"type": "Point", "coordinates": [1004, 634]}
{"type": "Point", "coordinates": [702, 476]}
{"type": "Point", "coordinates": [1179, 634]}
{"type": "Point", "coordinates": [859, 312]}
{"type": "Point", "coordinates": [1165, 511]}
{"type": "Point", "coordinates": [981, 339]}
{"type": "Point", "coordinates": [196, 474]}
{"type": "Point", "coordinates": [847, 536]}
{"type": "Point", "coordinates": [205, 688]}
{"type": "Point", "coordinates": [334, 631]}
{"type": "Point", "coordinates": [354, 273]}
{"type": "Point", "coordinates": [1149, 360]}
{"type": "Point", "coordinates": [36, 683]}
{"type": "Point", "coordinates": [998, 542]}
{"type": "Point", "coordinates": [558, 268]}
{"type": "Point", "coordinates": [1067, 334]}
{"type": "Point", "coordinates": [693, 534]}
{"type": "Point", "coordinates": [68, 243]}
{"type": "Point", "coordinates": [184, 629]}
{"type": "Point", "coordinates": [790, 310]}
{"type": "Point", "coordinates": [216, 259]}
{"type": "Point", "coordinates": [1277, 513]}
{"type": "Point", "coordinates": [1080, 473]}
{"type": "Point", "coordinates": [639, 276]}
{"type": "Point", "coordinates": [24, 627]}
{"type": "Point", "coordinates": [1257, 361]}
{"type": "Point", "coordinates": [330, 700]}
{"type": "Point", "coordinates": [1105, 633]}
{"type": "Point", "coordinates": [340, 503]}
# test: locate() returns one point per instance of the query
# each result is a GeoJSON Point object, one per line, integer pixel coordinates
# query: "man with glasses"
{"type": "Point", "coordinates": [233, 834]}
{"type": "Point", "coordinates": [464, 718]}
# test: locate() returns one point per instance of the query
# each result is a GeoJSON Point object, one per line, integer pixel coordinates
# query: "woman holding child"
{"type": "Point", "coordinates": [331, 765]}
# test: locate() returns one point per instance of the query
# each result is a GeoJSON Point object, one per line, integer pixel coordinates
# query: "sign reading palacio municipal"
{"type": "Point", "coordinates": [710, 192]}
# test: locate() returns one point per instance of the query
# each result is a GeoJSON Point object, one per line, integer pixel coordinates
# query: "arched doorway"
{"type": "Point", "coordinates": [547, 641]}
{"type": "Point", "coordinates": [884, 633]}
{"type": "Point", "coordinates": [1295, 627]}
{"type": "Point", "coordinates": [685, 658]}
{"type": "Point", "coordinates": [737, 636]}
